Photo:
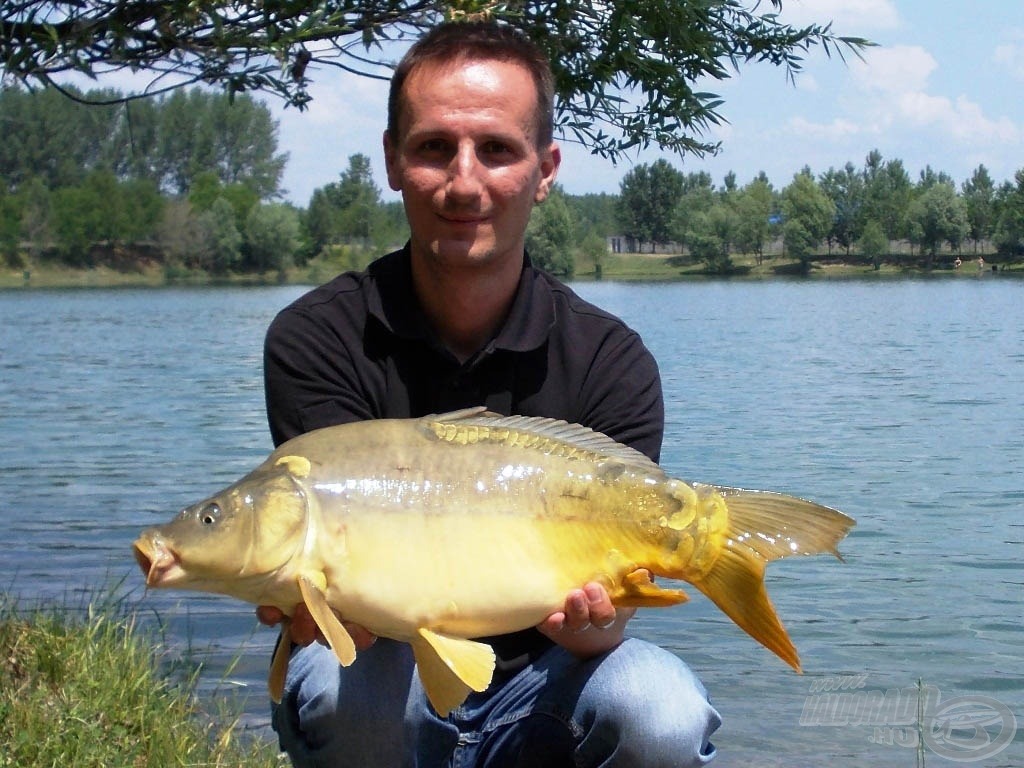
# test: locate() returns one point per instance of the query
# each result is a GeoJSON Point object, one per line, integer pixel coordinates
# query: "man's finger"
{"type": "Point", "coordinates": [601, 612]}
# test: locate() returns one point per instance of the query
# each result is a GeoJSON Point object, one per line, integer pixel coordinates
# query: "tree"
{"type": "Point", "coordinates": [234, 138]}
{"type": "Point", "coordinates": [10, 228]}
{"type": "Point", "coordinates": [709, 237]}
{"type": "Point", "coordinates": [594, 214]}
{"type": "Point", "coordinates": [698, 196]}
{"type": "Point", "coordinates": [207, 188]}
{"type": "Point", "coordinates": [888, 193]}
{"type": "Point", "coordinates": [272, 237]}
{"type": "Point", "coordinates": [978, 194]}
{"type": "Point", "coordinates": [87, 214]}
{"type": "Point", "coordinates": [873, 243]}
{"type": "Point", "coordinates": [549, 236]}
{"type": "Point", "coordinates": [1009, 232]}
{"type": "Point", "coordinates": [929, 177]}
{"type": "Point", "coordinates": [753, 212]}
{"type": "Point", "coordinates": [182, 233]}
{"type": "Point", "coordinates": [940, 216]}
{"type": "Point", "coordinates": [223, 242]}
{"type": "Point", "coordinates": [45, 135]}
{"type": "Point", "coordinates": [171, 141]}
{"type": "Point", "coordinates": [648, 195]}
{"type": "Point", "coordinates": [36, 215]}
{"type": "Point", "coordinates": [808, 216]}
{"type": "Point", "coordinates": [346, 210]}
{"type": "Point", "coordinates": [845, 188]}
{"type": "Point", "coordinates": [141, 208]}
{"type": "Point", "coordinates": [653, 50]}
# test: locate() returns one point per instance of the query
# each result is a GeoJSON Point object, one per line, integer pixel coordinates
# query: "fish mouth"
{"type": "Point", "coordinates": [158, 562]}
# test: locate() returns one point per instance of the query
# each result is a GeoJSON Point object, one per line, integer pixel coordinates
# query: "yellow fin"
{"type": "Point", "coordinates": [279, 665]}
{"type": "Point", "coordinates": [298, 466]}
{"type": "Point", "coordinates": [638, 591]}
{"type": "Point", "coordinates": [337, 636]}
{"type": "Point", "coordinates": [763, 527]}
{"type": "Point", "coordinates": [451, 667]}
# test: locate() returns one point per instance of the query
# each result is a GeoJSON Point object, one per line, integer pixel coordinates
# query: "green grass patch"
{"type": "Point", "coordinates": [90, 688]}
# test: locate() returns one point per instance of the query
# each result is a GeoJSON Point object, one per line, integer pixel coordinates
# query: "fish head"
{"type": "Point", "coordinates": [247, 531]}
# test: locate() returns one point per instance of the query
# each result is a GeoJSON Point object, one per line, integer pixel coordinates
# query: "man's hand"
{"type": "Point", "coordinates": [304, 631]}
{"type": "Point", "coordinates": [590, 625]}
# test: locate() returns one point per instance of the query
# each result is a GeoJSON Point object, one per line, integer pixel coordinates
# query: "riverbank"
{"type": "Point", "coordinates": [638, 267]}
{"type": "Point", "coordinates": [88, 687]}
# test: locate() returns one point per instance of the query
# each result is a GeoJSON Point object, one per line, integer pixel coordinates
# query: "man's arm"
{"type": "Point", "coordinates": [310, 377]}
{"type": "Point", "coordinates": [622, 396]}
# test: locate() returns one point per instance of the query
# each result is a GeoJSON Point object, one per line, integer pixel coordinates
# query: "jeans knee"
{"type": "Point", "coordinates": [644, 706]}
{"type": "Point", "coordinates": [337, 716]}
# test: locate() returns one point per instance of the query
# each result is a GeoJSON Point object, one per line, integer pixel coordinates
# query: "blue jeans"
{"type": "Point", "coordinates": [637, 705]}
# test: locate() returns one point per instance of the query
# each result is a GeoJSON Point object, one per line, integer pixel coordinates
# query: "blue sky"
{"type": "Point", "coordinates": [943, 88]}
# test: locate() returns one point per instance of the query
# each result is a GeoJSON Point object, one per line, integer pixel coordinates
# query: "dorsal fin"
{"type": "Point", "coordinates": [551, 436]}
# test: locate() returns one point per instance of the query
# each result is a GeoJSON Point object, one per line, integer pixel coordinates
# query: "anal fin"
{"type": "Point", "coordinates": [638, 591]}
{"type": "Point", "coordinates": [279, 665]}
{"type": "Point", "coordinates": [337, 636]}
{"type": "Point", "coordinates": [451, 667]}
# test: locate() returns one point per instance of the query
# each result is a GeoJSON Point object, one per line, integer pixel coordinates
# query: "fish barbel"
{"type": "Point", "coordinates": [437, 530]}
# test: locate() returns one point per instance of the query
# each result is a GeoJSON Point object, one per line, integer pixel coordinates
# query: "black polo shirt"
{"type": "Point", "coordinates": [360, 348]}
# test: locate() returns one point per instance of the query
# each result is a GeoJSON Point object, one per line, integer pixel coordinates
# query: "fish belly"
{"type": "Point", "coordinates": [499, 574]}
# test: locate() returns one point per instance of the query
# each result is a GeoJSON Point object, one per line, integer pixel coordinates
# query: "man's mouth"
{"type": "Point", "coordinates": [464, 219]}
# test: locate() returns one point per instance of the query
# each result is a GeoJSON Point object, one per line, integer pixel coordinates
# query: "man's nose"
{"type": "Point", "coordinates": [464, 179]}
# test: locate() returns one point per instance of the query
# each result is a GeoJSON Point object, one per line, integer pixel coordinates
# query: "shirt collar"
{"type": "Point", "coordinates": [395, 305]}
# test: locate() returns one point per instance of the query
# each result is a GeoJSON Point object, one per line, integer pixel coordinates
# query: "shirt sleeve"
{"type": "Point", "coordinates": [623, 395]}
{"type": "Point", "coordinates": [310, 377]}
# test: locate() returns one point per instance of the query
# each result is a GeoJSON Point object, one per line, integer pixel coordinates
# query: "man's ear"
{"type": "Point", "coordinates": [550, 160]}
{"type": "Point", "coordinates": [391, 163]}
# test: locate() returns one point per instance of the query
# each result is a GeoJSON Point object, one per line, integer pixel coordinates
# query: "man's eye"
{"type": "Point", "coordinates": [433, 146]}
{"type": "Point", "coordinates": [496, 148]}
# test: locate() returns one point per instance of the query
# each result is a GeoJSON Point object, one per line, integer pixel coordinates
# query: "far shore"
{"type": "Point", "coordinates": [613, 267]}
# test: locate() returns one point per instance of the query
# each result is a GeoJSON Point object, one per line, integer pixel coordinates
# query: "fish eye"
{"type": "Point", "coordinates": [210, 513]}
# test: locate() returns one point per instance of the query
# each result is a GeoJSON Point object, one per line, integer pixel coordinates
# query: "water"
{"type": "Point", "coordinates": [898, 402]}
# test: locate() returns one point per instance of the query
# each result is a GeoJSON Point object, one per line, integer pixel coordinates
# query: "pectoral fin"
{"type": "Point", "coordinates": [451, 667]}
{"type": "Point", "coordinates": [337, 636]}
{"type": "Point", "coordinates": [638, 591]}
{"type": "Point", "coordinates": [279, 665]}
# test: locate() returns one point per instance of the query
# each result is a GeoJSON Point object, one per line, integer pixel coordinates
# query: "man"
{"type": "Point", "coordinates": [459, 318]}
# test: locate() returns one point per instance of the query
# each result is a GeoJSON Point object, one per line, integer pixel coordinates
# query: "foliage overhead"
{"type": "Point", "coordinates": [625, 71]}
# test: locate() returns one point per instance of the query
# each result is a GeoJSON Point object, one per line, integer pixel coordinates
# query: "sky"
{"type": "Point", "coordinates": [942, 88]}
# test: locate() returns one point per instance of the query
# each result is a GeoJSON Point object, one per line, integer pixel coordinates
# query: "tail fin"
{"type": "Point", "coordinates": [763, 527]}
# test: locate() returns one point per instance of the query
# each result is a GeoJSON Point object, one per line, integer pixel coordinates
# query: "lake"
{"type": "Point", "coordinates": [897, 401]}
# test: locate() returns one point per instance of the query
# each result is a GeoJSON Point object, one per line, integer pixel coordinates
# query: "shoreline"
{"type": "Point", "coordinates": [617, 268]}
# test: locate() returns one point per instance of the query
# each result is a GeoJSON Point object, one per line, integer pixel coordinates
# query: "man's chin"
{"type": "Point", "coordinates": [463, 252]}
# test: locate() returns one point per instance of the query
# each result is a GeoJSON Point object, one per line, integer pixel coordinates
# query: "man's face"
{"type": "Point", "coordinates": [466, 161]}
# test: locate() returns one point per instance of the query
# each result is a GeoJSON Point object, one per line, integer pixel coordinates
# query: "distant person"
{"type": "Point", "coordinates": [460, 317]}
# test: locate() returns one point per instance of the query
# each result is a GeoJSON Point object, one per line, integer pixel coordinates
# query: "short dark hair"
{"type": "Point", "coordinates": [478, 40]}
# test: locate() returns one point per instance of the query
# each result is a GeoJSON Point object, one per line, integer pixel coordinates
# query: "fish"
{"type": "Point", "coordinates": [440, 530]}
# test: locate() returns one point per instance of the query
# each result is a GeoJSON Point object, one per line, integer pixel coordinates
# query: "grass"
{"type": "Point", "coordinates": [627, 266]}
{"type": "Point", "coordinates": [96, 690]}
{"type": "Point", "coordinates": [631, 266]}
